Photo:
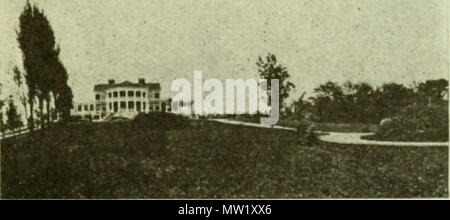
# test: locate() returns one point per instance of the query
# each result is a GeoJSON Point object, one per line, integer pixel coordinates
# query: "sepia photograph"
{"type": "Point", "coordinates": [224, 100]}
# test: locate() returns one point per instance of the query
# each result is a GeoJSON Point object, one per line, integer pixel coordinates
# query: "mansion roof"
{"type": "Point", "coordinates": [150, 86]}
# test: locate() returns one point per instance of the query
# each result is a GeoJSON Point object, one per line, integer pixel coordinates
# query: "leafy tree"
{"type": "Point", "coordinates": [360, 102]}
{"type": "Point", "coordinates": [269, 69]}
{"type": "Point", "coordinates": [63, 103]}
{"type": "Point", "coordinates": [14, 120]}
{"type": "Point", "coordinates": [391, 97]}
{"type": "Point", "coordinates": [2, 123]}
{"type": "Point", "coordinates": [37, 42]}
{"type": "Point", "coordinates": [44, 73]}
{"type": "Point", "coordinates": [331, 90]}
{"type": "Point", "coordinates": [301, 107]}
{"type": "Point", "coordinates": [365, 100]}
{"type": "Point", "coordinates": [18, 79]}
{"type": "Point", "coordinates": [329, 102]}
{"type": "Point", "coordinates": [62, 93]}
{"type": "Point", "coordinates": [433, 91]}
{"type": "Point", "coordinates": [31, 55]}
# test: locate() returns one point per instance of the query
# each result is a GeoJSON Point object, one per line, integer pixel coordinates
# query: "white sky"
{"type": "Point", "coordinates": [360, 40]}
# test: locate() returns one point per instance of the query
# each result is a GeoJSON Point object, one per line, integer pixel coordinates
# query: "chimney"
{"type": "Point", "coordinates": [141, 81]}
{"type": "Point", "coordinates": [111, 82]}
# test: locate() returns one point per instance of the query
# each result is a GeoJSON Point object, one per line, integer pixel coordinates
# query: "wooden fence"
{"type": "Point", "coordinates": [14, 133]}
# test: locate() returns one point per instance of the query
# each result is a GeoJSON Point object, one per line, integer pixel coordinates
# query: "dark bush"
{"type": "Point", "coordinates": [161, 121]}
{"type": "Point", "coordinates": [416, 123]}
{"type": "Point", "coordinates": [306, 132]}
{"type": "Point", "coordinates": [75, 118]}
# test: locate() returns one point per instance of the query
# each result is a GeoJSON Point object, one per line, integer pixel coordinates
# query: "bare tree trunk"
{"type": "Point", "coordinates": [26, 110]}
{"type": "Point", "coordinates": [48, 111]}
{"type": "Point", "coordinates": [41, 110]}
{"type": "Point", "coordinates": [53, 116]}
{"type": "Point", "coordinates": [31, 101]}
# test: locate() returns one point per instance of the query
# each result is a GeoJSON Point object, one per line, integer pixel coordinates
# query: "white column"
{"type": "Point", "coordinates": [147, 103]}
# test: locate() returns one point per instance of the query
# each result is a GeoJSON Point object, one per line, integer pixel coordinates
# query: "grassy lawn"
{"type": "Point", "coordinates": [210, 160]}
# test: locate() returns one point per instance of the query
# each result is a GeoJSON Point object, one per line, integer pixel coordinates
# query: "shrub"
{"type": "Point", "coordinates": [75, 118]}
{"type": "Point", "coordinates": [161, 121]}
{"type": "Point", "coordinates": [416, 123]}
{"type": "Point", "coordinates": [306, 133]}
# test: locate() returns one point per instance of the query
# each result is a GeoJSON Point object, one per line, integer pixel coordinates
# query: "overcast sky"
{"type": "Point", "coordinates": [360, 40]}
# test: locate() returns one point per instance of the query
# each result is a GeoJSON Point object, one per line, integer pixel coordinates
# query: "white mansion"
{"type": "Point", "coordinates": [124, 99]}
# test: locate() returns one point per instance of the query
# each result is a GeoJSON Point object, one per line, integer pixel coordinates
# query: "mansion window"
{"type": "Point", "coordinates": [97, 97]}
{"type": "Point", "coordinates": [157, 95]}
{"type": "Point", "coordinates": [123, 105]}
{"type": "Point", "coordinates": [130, 93]}
{"type": "Point", "coordinates": [138, 94]}
{"type": "Point", "coordinates": [110, 95]}
{"type": "Point", "coordinates": [86, 107]}
{"type": "Point", "coordinates": [138, 106]}
{"type": "Point", "coordinates": [143, 94]}
{"type": "Point", "coordinates": [130, 105]}
{"type": "Point", "coordinates": [92, 107]}
{"type": "Point", "coordinates": [122, 93]}
{"type": "Point", "coordinates": [115, 94]}
{"type": "Point", "coordinates": [116, 107]}
{"type": "Point", "coordinates": [80, 108]}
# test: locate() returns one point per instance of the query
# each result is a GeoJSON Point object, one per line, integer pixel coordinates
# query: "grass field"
{"type": "Point", "coordinates": [211, 160]}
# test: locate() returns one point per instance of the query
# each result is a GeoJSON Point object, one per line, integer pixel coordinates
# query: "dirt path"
{"type": "Point", "coordinates": [249, 124]}
{"type": "Point", "coordinates": [344, 138]}
{"type": "Point", "coordinates": [355, 138]}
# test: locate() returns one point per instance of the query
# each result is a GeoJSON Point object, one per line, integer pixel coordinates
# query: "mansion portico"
{"type": "Point", "coordinates": [124, 99]}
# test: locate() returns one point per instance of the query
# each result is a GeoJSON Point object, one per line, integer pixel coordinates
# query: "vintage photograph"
{"type": "Point", "coordinates": [214, 99]}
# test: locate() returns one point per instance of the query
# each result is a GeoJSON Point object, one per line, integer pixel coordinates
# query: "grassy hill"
{"type": "Point", "coordinates": [210, 160]}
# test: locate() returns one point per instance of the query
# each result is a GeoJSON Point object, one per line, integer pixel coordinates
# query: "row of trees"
{"type": "Point", "coordinates": [44, 77]}
{"type": "Point", "coordinates": [350, 102]}
{"type": "Point", "coordinates": [362, 103]}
